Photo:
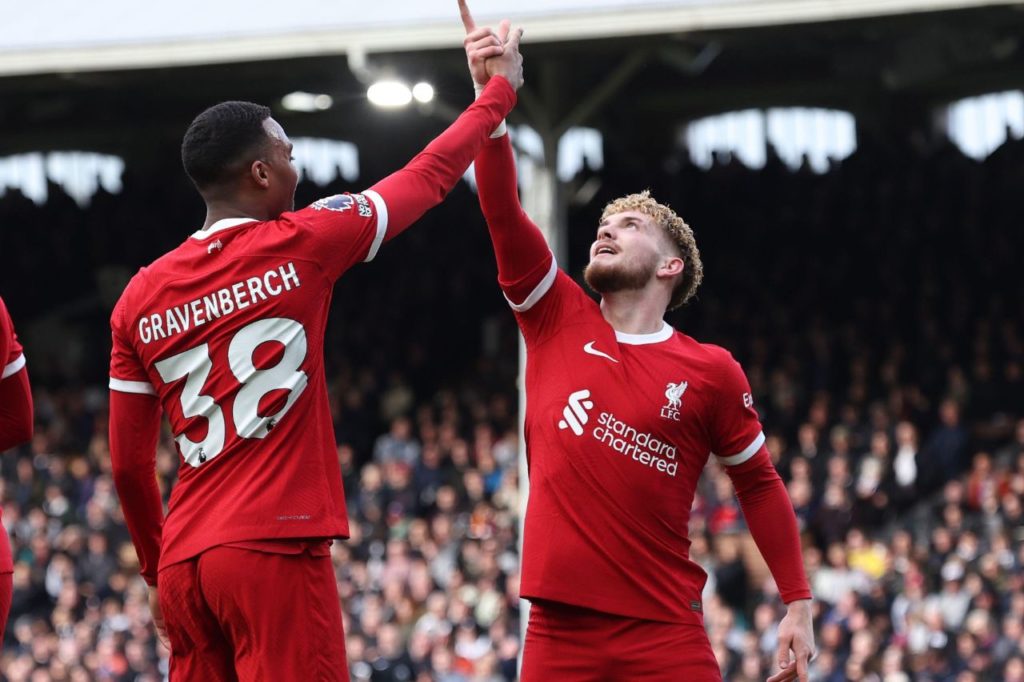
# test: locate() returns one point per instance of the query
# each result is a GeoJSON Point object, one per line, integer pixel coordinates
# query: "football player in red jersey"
{"type": "Point", "coordinates": [15, 428]}
{"type": "Point", "coordinates": [224, 335]}
{"type": "Point", "coordinates": [623, 412]}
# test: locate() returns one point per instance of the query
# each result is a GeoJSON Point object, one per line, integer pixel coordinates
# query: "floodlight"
{"type": "Point", "coordinates": [423, 92]}
{"type": "Point", "coordinates": [389, 94]}
{"type": "Point", "coordinates": [306, 101]}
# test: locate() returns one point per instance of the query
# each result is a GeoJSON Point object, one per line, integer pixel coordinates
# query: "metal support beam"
{"type": "Point", "coordinates": [615, 81]}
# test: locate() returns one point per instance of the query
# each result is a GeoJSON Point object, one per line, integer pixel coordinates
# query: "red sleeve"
{"type": "Point", "coordinates": [772, 522]}
{"type": "Point", "coordinates": [127, 374]}
{"type": "Point", "coordinates": [526, 268]}
{"type": "Point", "coordinates": [340, 231]}
{"type": "Point", "coordinates": [6, 336]}
{"type": "Point", "coordinates": [15, 410]}
{"type": "Point", "coordinates": [425, 180]}
{"type": "Point", "coordinates": [12, 358]}
{"type": "Point", "coordinates": [15, 392]}
{"type": "Point", "coordinates": [736, 434]}
{"type": "Point", "coordinates": [134, 427]}
{"type": "Point", "coordinates": [345, 229]}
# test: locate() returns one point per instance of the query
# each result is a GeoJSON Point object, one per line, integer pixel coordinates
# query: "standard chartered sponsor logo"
{"type": "Point", "coordinates": [575, 413]}
{"type": "Point", "coordinates": [640, 446]}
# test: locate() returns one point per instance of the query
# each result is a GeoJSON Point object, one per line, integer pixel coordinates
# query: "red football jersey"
{"type": "Point", "coordinates": [227, 330]}
{"type": "Point", "coordinates": [17, 415]}
{"type": "Point", "coordinates": [12, 358]}
{"type": "Point", "coordinates": [618, 429]}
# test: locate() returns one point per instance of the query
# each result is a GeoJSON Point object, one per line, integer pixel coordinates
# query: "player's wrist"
{"type": "Point", "coordinates": [800, 606]}
{"type": "Point", "coordinates": [479, 88]}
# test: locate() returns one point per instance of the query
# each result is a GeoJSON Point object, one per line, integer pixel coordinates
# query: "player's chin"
{"type": "Point", "coordinates": [602, 276]}
{"type": "Point", "coordinates": [605, 275]}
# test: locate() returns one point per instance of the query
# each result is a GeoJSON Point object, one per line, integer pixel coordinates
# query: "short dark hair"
{"type": "Point", "coordinates": [221, 137]}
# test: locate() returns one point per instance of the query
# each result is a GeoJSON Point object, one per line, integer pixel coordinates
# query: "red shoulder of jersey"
{"type": "Point", "coordinates": [549, 304]}
{"type": "Point", "coordinates": [12, 359]}
{"type": "Point", "coordinates": [336, 232]}
{"type": "Point", "coordinates": [736, 433]}
{"type": "Point", "coordinates": [127, 373]}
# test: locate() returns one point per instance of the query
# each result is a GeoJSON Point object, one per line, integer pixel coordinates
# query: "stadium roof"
{"type": "Point", "coordinates": [114, 34]}
{"type": "Point", "coordinates": [891, 72]}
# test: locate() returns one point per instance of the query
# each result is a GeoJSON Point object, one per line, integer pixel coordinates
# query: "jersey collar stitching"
{"type": "Point", "coordinates": [663, 334]}
{"type": "Point", "coordinates": [223, 224]}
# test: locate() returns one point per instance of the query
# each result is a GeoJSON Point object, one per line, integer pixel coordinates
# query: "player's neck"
{"type": "Point", "coordinates": [633, 312]}
{"type": "Point", "coordinates": [226, 209]}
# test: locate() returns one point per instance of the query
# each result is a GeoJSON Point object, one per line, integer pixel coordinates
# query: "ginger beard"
{"type": "Point", "coordinates": [608, 275]}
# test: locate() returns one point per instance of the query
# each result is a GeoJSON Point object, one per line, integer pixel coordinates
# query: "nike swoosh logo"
{"type": "Point", "coordinates": [589, 348]}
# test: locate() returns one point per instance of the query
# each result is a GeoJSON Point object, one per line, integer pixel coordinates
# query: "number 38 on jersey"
{"type": "Point", "coordinates": [282, 377]}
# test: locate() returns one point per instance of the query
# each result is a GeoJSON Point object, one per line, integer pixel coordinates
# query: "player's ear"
{"type": "Point", "coordinates": [671, 266]}
{"type": "Point", "coordinates": [260, 173]}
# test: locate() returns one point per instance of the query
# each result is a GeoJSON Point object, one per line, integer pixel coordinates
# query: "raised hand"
{"type": "Point", "coordinates": [492, 54]}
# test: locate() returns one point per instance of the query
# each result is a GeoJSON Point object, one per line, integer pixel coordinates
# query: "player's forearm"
{"type": "Point", "coordinates": [134, 429]}
{"type": "Point", "coordinates": [15, 410]}
{"type": "Point", "coordinates": [426, 180]}
{"type": "Point", "coordinates": [772, 523]}
{"type": "Point", "coordinates": [522, 253]}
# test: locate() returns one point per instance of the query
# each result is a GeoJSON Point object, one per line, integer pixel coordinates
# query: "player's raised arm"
{"type": "Point", "coordinates": [428, 178]}
{"type": "Point", "coordinates": [524, 259]}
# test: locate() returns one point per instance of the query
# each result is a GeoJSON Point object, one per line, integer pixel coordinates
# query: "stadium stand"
{"type": "Point", "coordinates": [876, 309]}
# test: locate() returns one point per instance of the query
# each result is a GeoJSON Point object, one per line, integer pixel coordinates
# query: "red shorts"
{"type": "Point", "coordinates": [573, 644]}
{"type": "Point", "coordinates": [236, 613]}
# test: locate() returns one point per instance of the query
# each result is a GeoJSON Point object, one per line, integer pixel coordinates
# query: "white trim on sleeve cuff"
{"type": "Point", "coordinates": [13, 367]}
{"type": "Point", "coordinates": [382, 223]}
{"type": "Point", "coordinates": [141, 387]}
{"type": "Point", "coordinates": [750, 451]}
{"type": "Point", "coordinates": [538, 291]}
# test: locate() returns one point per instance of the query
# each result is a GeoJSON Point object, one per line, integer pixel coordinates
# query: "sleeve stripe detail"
{"type": "Point", "coordinates": [14, 367]}
{"type": "Point", "coordinates": [143, 387]}
{"type": "Point", "coordinates": [539, 290]}
{"type": "Point", "coordinates": [742, 457]}
{"type": "Point", "coordinates": [382, 223]}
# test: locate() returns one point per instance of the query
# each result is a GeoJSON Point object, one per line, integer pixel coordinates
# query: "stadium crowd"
{"type": "Point", "coordinates": [876, 309]}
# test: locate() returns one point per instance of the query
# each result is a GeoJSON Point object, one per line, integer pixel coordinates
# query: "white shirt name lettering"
{"type": "Point", "coordinates": [219, 303]}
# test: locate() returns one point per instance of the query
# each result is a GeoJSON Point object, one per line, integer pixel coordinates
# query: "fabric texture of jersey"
{"type": "Point", "coordinates": [12, 357]}
{"type": "Point", "coordinates": [618, 430]}
{"type": "Point", "coordinates": [227, 330]}
{"type": "Point", "coordinates": [15, 411]}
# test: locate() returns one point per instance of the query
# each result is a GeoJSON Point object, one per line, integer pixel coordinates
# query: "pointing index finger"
{"type": "Point", "coordinates": [467, 18]}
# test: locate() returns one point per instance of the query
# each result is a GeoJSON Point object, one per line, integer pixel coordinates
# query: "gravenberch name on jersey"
{"type": "Point", "coordinates": [219, 303]}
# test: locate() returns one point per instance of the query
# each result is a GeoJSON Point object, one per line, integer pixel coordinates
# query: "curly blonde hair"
{"type": "Point", "coordinates": [680, 233]}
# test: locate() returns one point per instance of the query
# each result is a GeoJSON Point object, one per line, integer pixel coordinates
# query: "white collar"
{"type": "Point", "coordinates": [223, 224]}
{"type": "Point", "coordinates": [663, 334]}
